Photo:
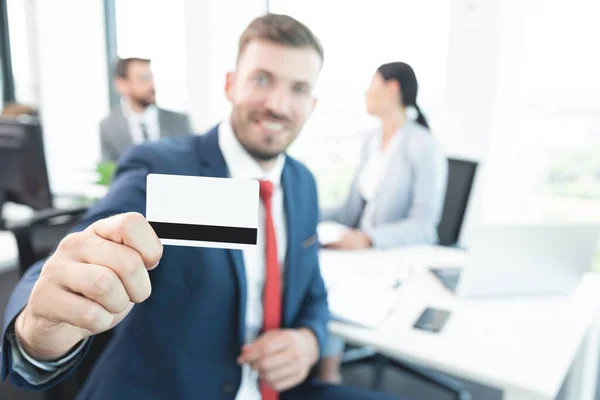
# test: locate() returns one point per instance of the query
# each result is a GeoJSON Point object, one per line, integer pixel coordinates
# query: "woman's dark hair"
{"type": "Point", "coordinates": [404, 74]}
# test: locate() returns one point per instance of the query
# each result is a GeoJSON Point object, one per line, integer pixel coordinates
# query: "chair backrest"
{"type": "Point", "coordinates": [461, 174]}
{"type": "Point", "coordinates": [38, 237]}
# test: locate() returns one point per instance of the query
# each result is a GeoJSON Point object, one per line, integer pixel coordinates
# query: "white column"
{"type": "Point", "coordinates": [33, 50]}
{"type": "Point", "coordinates": [73, 84]}
{"type": "Point", "coordinates": [482, 72]}
{"type": "Point", "coordinates": [213, 28]}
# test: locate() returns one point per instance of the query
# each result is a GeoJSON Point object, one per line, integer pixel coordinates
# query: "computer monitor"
{"type": "Point", "coordinates": [23, 174]}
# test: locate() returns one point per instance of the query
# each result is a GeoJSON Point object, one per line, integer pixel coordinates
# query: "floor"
{"type": "Point", "coordinates": [394, 382]}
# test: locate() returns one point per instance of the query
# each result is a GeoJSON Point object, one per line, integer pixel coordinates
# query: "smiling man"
{"type": "Point", "coordinates": [220, 324]}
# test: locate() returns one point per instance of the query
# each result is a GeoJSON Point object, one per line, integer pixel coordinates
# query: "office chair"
{"type": "Point", "coordinates": [461, 174]}
{"type": "Point", "coordinates": [38, 236]}
{"type": "Point", "coordinates": [36, 239]}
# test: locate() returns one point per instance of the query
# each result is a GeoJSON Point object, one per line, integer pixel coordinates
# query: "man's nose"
{"type": "Point", "coordinates": [279, 101]}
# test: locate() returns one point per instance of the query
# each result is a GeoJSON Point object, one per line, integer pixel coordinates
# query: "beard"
{"type": "Point", "coordinates": [262, 155]}
{"type": "Point", "coordinates": [145, 101]}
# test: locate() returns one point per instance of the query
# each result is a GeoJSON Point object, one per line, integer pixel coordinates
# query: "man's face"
{"type": "Point", "coordinates": [139, 84]}
{"type": "Point", "coordinates": [271, 93]}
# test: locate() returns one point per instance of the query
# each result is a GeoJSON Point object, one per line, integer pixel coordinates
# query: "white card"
{"type": "Point", "coordinates": [202, 211]}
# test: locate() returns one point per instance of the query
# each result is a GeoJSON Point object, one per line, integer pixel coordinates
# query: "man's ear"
{"type": "Point", "coordinates": [122, 86]}
{"type": "Point", "coordinates": [229, 85]}
{"type": "Point", "coordinates": [315, 100]}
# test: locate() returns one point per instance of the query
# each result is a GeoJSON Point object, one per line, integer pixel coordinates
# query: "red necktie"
{"type": "Point", "coordinates": [272, 288]}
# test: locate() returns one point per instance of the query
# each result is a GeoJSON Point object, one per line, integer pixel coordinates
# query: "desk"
{"type": "Point", "coordinates": [526, 347]}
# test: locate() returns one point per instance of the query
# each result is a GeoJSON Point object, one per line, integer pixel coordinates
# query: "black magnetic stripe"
{"type": "Point", "coordinates": [205, 233]}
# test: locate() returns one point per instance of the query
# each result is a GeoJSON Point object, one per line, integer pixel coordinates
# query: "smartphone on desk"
{"type": "Point", "coordinates": [432, 320]}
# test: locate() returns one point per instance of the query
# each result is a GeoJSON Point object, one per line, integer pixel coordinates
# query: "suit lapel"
{"type": "Point", "coordinates": [120, 135]}
{"type": "Point", "coordinates": [290, 196]}
{"type": "Point", "coordinates": [211, 158]}
{"type": "Point", "coordinates": [163, 123]}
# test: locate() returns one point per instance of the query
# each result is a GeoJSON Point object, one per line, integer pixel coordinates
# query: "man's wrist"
{"type": "Point", "coordinates": [25, 347]}
{"type": "Point", "coordinates": [312, 343]}
{"type": "Point", "coordinates": [19, 339]}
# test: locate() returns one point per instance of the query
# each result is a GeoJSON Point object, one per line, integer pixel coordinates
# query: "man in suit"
{"type": "Point", "coordinates": [220, 324]}
{"type": "Point", "coordinates": [137, 119]}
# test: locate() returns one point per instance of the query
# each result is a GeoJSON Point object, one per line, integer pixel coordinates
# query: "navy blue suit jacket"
{"type": "Point", "coordinates": [184, 340]}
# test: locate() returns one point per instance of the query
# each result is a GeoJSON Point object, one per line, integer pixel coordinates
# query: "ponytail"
{"type": "Point", "coordinates": [421, 118]}
{"type": "Point", "coordinates": [405, 75]}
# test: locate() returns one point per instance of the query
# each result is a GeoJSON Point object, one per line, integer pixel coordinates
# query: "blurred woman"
{"type": "Point", "coordinates": [397, 195]}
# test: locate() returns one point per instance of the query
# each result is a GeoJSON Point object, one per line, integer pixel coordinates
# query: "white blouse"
{"type": "Point", "coordinates": [373, 172]}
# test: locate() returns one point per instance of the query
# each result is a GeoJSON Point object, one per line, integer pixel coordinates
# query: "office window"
{"type": "Point", "coordinates": [156, 30]}
{"type": "Point", "coordinates": [5, 89]}
{"type": "Point", "coordinates": [357, 38]}
{"type": "Point", "coordinates": [19, 49]}
{"type": "Point", "coordinates": [555, 145]}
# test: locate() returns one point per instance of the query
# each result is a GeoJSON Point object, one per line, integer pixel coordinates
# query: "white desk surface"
{"type": "Point", "coordinates": [527, 345]}
{"type": "Point", "coordinates": [8, 251]}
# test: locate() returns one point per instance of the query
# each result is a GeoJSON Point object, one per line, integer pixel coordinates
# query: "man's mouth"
{"type": "Point", "coordinates": [272, 126]}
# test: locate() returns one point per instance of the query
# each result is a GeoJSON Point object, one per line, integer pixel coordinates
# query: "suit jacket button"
{"type": "Point", "coordinates": [229, 388]}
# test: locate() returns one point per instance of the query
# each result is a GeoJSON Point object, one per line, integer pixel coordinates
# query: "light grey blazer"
{"type": "Point", "coordinates": [409, 204]}
{"type": "Point", "coordinates": [115, 137]}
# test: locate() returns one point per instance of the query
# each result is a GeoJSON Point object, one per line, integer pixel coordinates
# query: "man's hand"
{"type": "Point", "coordinates": [283, 358]}
{"type": "Point", "coordinates": [352, 240]}
{"type": "Point", "coordinates": [89, 285]}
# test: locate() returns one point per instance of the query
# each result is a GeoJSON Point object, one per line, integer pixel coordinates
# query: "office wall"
{"type": "Point", "coordinates": [165, 46]}
{"type": "Point", "coordinates": [73, 84]}
{"type": "Point", "coordinates": [213, 28]}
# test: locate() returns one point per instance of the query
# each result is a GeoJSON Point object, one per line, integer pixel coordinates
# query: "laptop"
{"type": "Point", "coordinates": [524, 260]}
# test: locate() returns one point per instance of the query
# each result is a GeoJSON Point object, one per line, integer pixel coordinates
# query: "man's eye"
{"type": "Point", "coordinates": [261, 80]}
{"type": "Point", "coordinates": [300, 89]}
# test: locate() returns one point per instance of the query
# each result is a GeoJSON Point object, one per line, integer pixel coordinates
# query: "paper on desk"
{"type": "Point", "coordinates": [375, 266]}
{"type": "Point", "coordinates": [362, 285]}
{"type": "Point", "coordinates": [330, 232]}
{"type": "Point", "coordinates": [362, 303]}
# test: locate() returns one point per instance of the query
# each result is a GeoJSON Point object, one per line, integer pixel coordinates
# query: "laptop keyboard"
{"type": "Point", "coordinates": [448, 276]}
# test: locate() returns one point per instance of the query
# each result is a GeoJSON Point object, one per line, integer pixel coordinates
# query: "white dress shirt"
{"type": "Point", "coordinates": [373, 172]}
{"type": "Point", "coordinates": [242, 166]}
{"type": "Point", "coordinates": [135, 120]}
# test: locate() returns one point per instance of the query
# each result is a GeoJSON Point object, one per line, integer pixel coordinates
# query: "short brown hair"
{"type": "Point", "coordinates": [122, 66]}
{"type": "Point", "coordinates": [280, 29]}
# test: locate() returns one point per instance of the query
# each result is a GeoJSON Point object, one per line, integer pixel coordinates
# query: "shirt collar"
{"type": "Point", "coordinates": [150, 111]}
{"type": "Point", "coordinates": [241, 165]}
{"type": "Point", "coordinates": [375, 144]}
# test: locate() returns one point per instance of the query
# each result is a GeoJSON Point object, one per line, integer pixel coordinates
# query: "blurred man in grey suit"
{"type": "Point", "coordinates": [138, 119]}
